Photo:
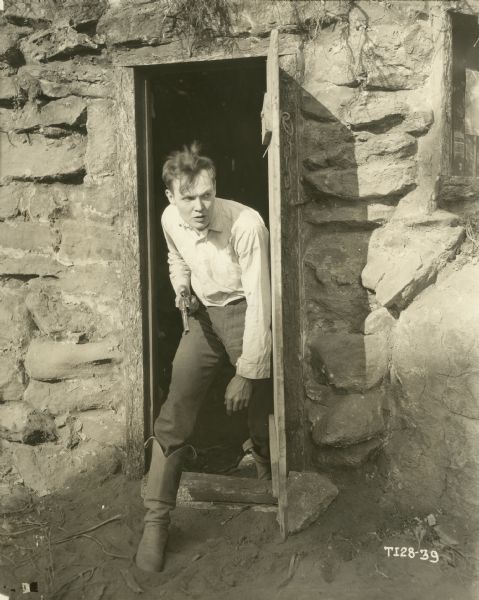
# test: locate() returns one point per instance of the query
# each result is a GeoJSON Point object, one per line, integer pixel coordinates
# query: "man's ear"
{"type": "Point", "coordinates": [170, 196]}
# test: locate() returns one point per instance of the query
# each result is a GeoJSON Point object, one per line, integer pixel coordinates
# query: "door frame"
{"type": "Point", "coordinates": [138, 277]}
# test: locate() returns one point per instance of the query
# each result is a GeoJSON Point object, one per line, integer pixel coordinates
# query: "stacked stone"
{"type": "Point", "coordinates": [60, 384]}
{"type": "Point", "coordinates": [390, 278]}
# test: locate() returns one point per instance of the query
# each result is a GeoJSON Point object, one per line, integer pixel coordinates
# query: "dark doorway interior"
{"type": "Point", "coordinates": [218, 104]}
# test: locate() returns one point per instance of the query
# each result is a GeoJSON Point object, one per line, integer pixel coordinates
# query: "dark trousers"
{"type": "Point", "coordinates": [215, 336]}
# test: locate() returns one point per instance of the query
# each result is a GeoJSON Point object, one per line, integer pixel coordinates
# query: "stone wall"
{"type": "Point", "coordinates": [389, 316]}
{"type": "Point", "coordinates": [390, 274]}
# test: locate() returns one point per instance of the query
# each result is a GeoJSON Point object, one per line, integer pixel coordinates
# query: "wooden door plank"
{"type": "Point", "coordinates": [207, 487]}
{"type": "Point", "coordinates": [274, 184]}
{"type": "Point", "coordinates": [273, 448]}
{"type": "Point", "coordinates": [151, 234]}
{"type": "Point", "coordinates": [131, 303]}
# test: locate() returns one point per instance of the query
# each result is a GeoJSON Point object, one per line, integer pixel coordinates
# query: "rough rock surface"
{"type": "Point", "coordinates": [27, 236]}
{"type": "Point", "coordinates": [101, 146]}
{"type": "Point", "coordinates": [15, 326]}
{"type": "Point", "coordinates": [403, 260]}
{"type": "Point", "coordinates": [36, 202]}
{"type": "Point", "coordinates": [309, 495]}
{"type": "Point", "coordinates": [395, 57]}
{"type": "Point", "coordinates": [62, 79]}
{"type": "Point", "coordinates": [9, 90]}
{"type": "Point", "coordinates": [435, 355]}
{"type": "Point", "coordinates": [20, 423]}
{"type": "Point", "coordinates": [375, 179]}
{"type": "Point", "coordinates": [58, 319]}
{"type": "Point", "coordinates": [50, 361]}
{"type": "Point", "coordinates": [84, 242]}
{"type": "Point", "coordinates": [50, 468]}
{"type": "Point", "coordinates": [27, 10]}
{"type": "Point", "coordinates": [11, 380]}
{"type": "Point", "coordinates": [57, 43]}
{"type": "Point", "coordinates": [328, 457]}
{"type": "Point", "coordinates": [333, 291]}
{"type": "Point", "coordinates": [379, 112]}
{"type": "Point", "coordinates": [9, 44]}
{"type": "Point", "coordinates": [74, 395]}
{"type": "Point", "coordinates": [30, 265]}
{"type": "Point", "coordinates": [35, 158]}
{"type": "Point", "coordinates": [69, 112]}
{"type": "Point", "coordinates": [353, 419]}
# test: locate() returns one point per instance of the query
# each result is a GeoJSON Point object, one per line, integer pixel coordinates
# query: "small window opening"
{"type": "Point", "coordinates": [465, 95]}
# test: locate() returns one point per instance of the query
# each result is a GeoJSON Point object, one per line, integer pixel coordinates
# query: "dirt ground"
{"type": "Point", "coordinates": [220, 553]}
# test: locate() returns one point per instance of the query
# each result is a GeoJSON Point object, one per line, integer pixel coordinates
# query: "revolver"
{"type": "Point", "coordinates": [184, 305]}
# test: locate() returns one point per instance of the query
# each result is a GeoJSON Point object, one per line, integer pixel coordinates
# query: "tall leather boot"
{"type": "Point", "coordinates": [160, 498]}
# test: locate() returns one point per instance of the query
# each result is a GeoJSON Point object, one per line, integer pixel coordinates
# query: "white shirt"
{"type": "Point", "coordinates": [227, 261]}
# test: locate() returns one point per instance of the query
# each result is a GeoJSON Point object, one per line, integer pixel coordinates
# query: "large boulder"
{"type": "Point", "coordinates": [335, 56]}
{"type": "Point", "coordinates": [36, 158]}
{"type": "Point", "coordinates": [354, 418]}
{"type": "Point", "coordinates": [348, 152]}
{"type": "Point", "coordinates": [9, 41]}
{"type": "Point", "coordinates": [51, 361]}
{"type": "Point", "coordinates": [379, 112]}
{"type": "Point", "coordinates": [404, 259]}
{"type": "Point", "coordinates": [331, 457]}
{"type": "Point", "coordinates": [11, 379]}
{"type": "Point", "coordinates": [21, 423]}
{"type": "Point", "coordinates": [309, 495]}
{"type": "Point", "coordinates": [10, 92]}
{"type": "Point", "coordinates": [51, 468]}
{"type": "Point", "coordinates": [333, 292]}
{"type": "Point", "coordinates": [81, 12]}
{"type": "Point", "coordinates": [29, 265]}
{"type": "Point", "coordinates": [58, 319]}
{"type": "Point", "coordinates": [341, 357]}
{"type": "Point", "coordinates": [31, 11]}
{"type": "Point", "coordinates": [36, 202]}
{"type": "Point", "coordinates": [26, 236]}
{"type": "Point", "coordinates": [67, 113]}
{"type": "Point", "coordinates": [397, 57]}
{"type": "Point", "coordinates": [57, 43]}
{"type": "Point", "coordinates": [61, 79]}
{"type": "Point", "coordinates": [129, 24]}
{"type": "Point", "coordinates": [74, 395]}
{"type": "Point", "coordinates": [435, 356]}
{"type": "Point", "coordinates": [381, 178]}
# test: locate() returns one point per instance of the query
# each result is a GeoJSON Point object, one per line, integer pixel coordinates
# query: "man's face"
{"type": "Point", "coordinates": [195, 200]}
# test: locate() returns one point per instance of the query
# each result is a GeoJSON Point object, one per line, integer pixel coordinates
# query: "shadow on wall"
{"type": "Point", "coordinates": [355, 170]}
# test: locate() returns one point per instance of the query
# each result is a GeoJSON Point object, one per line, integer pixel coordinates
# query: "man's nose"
{"type": "Point", "coordinates": [198, 205]}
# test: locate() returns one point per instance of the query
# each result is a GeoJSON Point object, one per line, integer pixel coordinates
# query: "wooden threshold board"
{"type": "Point", "coordinates": [205, 487]}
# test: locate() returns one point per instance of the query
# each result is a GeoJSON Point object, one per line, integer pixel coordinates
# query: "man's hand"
{"type": "Point", "coordinates": [238, 394]}
{"type": "Point", "coordinates": [193, 302]}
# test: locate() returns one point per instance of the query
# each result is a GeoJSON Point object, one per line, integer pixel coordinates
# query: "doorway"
{"type": "Point", "coordinates": [219, 105]}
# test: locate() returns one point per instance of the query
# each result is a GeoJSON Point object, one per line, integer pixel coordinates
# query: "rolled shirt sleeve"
{"type": "Point", "coordinates": [252, 250]}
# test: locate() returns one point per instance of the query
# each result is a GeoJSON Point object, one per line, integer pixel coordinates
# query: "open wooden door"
{"type": "Point", "coordinates": [271, 137]}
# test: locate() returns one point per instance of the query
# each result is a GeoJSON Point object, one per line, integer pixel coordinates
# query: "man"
{"type": "Point", "coordinates": [218, 248]}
